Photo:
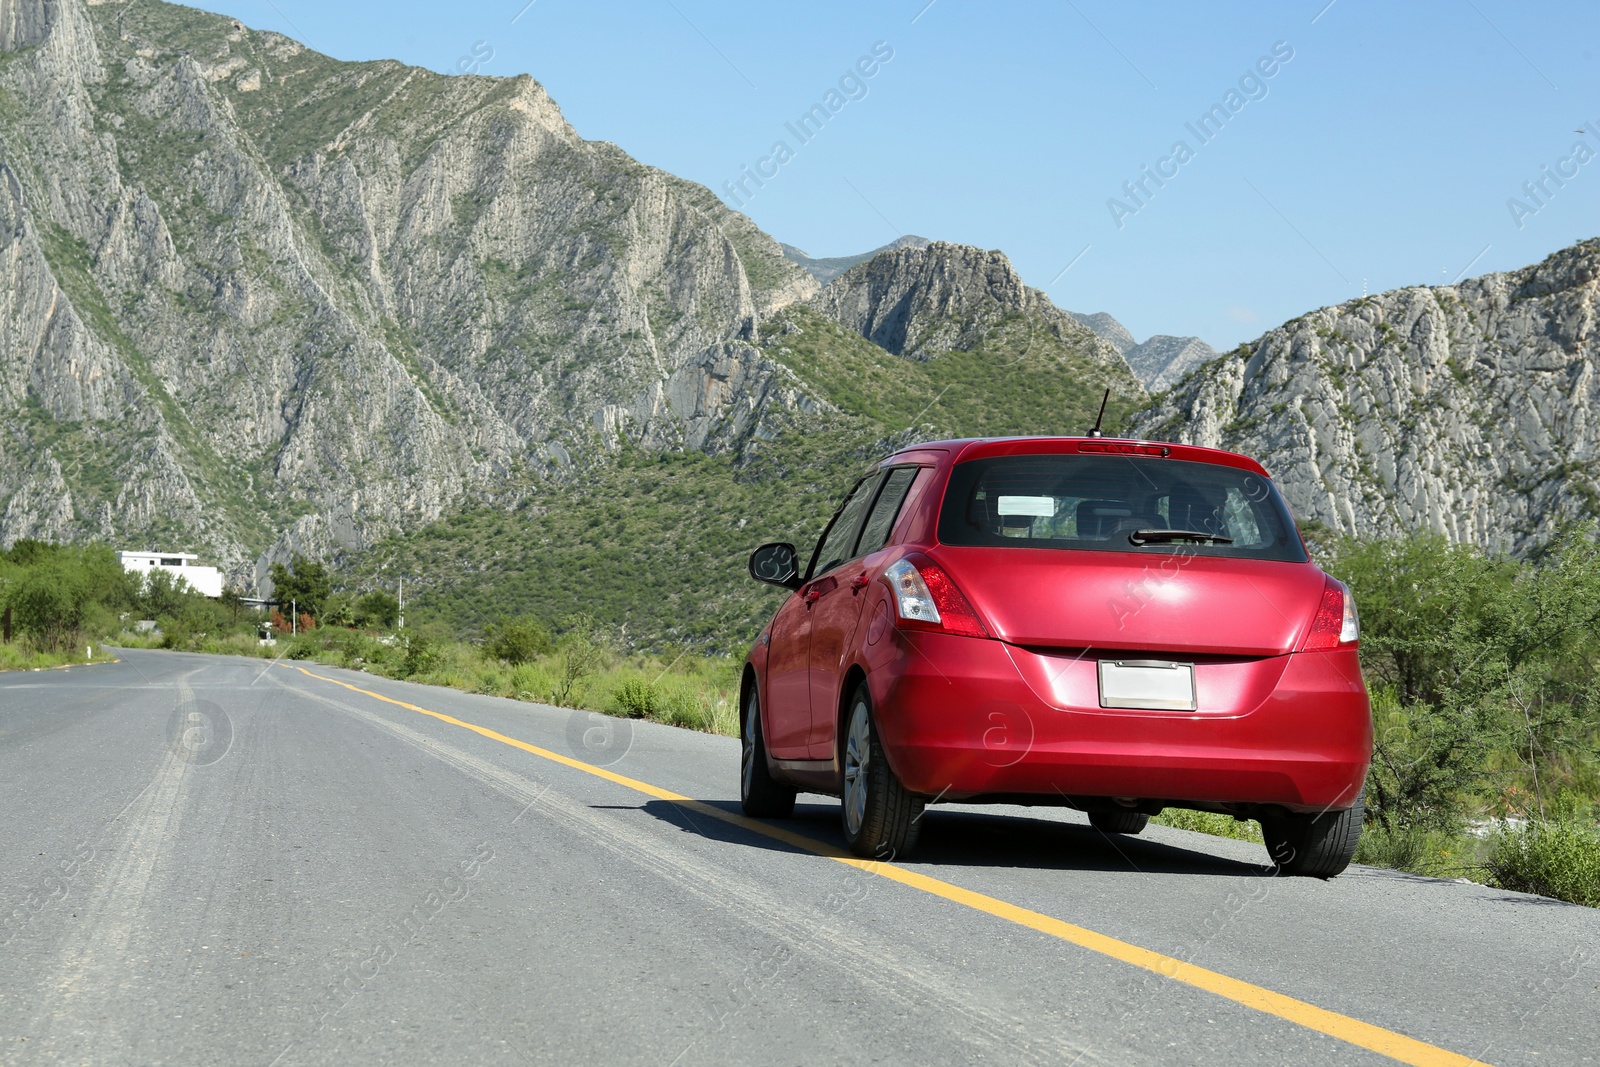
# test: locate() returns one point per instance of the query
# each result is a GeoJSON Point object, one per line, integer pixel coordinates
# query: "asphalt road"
{"type": "Point", "coordinates": [210, 860]}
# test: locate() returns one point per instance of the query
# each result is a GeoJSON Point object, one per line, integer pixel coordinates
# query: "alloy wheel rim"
{"type": "Point", "coordinates": [747, 750]}
{"type": "Point", "coordinates": [857, 754]}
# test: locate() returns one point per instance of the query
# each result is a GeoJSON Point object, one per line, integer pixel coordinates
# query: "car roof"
{"type": "Point", "coordinates": [969, 448]}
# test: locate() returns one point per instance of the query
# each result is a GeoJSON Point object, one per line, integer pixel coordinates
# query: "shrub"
{"type": "Point", "coordinates": [519, 640]}
{"type": "Point", "coordinates": [338, 611]}
{"type": "Point", "coordinates": [636, 698]}
{"type": "Point", "coordinates": [1552, 859]}
{"type": "Point", "coordinates": [682, 706]}
{"type": "Point", "coordinates": [162, 593]}
{"type": "Point", "coordinates": [531, 682]}
{"type": "Point", "coordinates": [422, 656]}
{"type": "Point", "coordinates": [490, 682]}
{"type": "Point", "coordinates": [354, 647]}
{"type": "Point", "coordinates": [1474, 669]}
{"type": "Point", "coordinates": [1402, 849]}
{"type": "Point", "coordinates": [581, 653]}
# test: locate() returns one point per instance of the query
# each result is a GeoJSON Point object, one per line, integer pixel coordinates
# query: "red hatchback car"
{"type": "Point", "coordinates": [1116, 626]}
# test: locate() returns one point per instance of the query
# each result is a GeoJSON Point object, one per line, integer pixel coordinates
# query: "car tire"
{"type": "Point", "coordinates": [1313, 846]}
{"type": "Point", "coordinates": [881, 818]}
{"type": "Point", "coordinates": [760, 795]}
{"type": "Point", "coordinates": [1119, 822]}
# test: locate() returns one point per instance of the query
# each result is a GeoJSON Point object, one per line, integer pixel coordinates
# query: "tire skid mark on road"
{"type": "Point", "coordinates": [93, 968]}
{"type": "Point", "coordinates": [1345, 1028]}
{"type": "Point", "coordinates": [809, 932]}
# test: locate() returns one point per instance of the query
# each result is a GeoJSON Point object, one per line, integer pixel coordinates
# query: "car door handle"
{"type": "Point", "coordinates": [858, 583]}
{"type": "Point", "coordinates": [812, 595]}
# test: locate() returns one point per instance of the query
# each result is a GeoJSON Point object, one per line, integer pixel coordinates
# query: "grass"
{"type": "Point", "coordinates": [1558, 858]}
{"type": "Point", "coordinates": [22, 657]}
{"type": "Point", "coordinates": [696, 692]}
{"type": "Point", "coordinates": [1427, 852]}
{"type": "Point", "coordinates": [1209, 822]}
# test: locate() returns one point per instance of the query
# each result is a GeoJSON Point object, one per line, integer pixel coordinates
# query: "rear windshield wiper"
{"type": "Point", "coordinates": [1141, 537]}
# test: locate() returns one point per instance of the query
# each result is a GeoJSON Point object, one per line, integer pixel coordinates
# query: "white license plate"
{"type": "Point", "coordinates": [1149, 685]}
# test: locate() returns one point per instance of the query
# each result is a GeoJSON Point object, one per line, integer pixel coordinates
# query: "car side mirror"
{"type": "Point", "coordinates": [777, 564]}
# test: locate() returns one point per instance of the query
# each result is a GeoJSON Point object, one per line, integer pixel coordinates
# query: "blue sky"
{"type": "Point", "coordinates": [1382, 152]}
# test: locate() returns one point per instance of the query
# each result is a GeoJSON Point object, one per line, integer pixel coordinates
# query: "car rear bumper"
{"type": "Point", "coordinates": [961, 718]}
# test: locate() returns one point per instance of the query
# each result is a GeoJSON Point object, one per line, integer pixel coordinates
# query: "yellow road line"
{"type": "Point", "coordinates": [1364, 1035]}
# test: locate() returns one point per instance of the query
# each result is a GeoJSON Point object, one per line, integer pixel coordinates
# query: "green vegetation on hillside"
{"type": "Point", "coordinates": [1021, 379]}
{"type": "Point", "coordinates": [654, 544]}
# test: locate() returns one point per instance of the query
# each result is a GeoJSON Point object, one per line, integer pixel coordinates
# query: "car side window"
{"type": "Point", "coordinates": [834, 547]}
{"type": "Point", "coordinates": [885, 510]}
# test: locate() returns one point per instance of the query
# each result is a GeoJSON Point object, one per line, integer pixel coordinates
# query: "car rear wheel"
{"type": "Point", "coordinates": [761, 795]}
{"type": "Point", "coordinates": [881, 818]}
{"type": "Point", "coordinates": [1316, 846]}
{"type": "Point", "coordinates": [1119, 822]}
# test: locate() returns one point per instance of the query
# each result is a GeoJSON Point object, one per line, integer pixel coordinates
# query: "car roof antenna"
{"type": "Point", "coordinates": [1094, 431]}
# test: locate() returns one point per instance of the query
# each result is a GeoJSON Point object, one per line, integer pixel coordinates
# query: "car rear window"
{"type": "Point", "coordinates": [1094, 503]}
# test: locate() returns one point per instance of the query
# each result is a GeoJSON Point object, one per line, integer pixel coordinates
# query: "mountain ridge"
{"type": "Point", "coordinates": [825, 269]}
{"type": "Point", "coordinates": [1160, 361]}
{"type": "Point", "coordinates": [1460, 409]}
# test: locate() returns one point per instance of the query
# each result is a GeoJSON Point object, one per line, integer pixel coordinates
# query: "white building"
{"type": "Point", "coordinates": [204, 580]}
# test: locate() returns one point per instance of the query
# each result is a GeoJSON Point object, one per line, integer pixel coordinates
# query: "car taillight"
{"type": "Point", "coordinates": [926, 599]}
{"type": "Point", "coordinates": [1336, 624]}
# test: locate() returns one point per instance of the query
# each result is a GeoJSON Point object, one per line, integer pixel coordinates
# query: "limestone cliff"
{"type": "Point", "coordinates": [255, 299]}
{"type": "Point", "coordinates": [1463, 409]}
{"type": "Point", "coordinates": [1161, 362]}
{"type": "Point", "coordinates": [921, 302]}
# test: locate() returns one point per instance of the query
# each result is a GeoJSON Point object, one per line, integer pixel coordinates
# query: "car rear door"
{"type": "Point", "coordinates": [788, 696]}
{"type": "Point", "coordinates": [836, 607]}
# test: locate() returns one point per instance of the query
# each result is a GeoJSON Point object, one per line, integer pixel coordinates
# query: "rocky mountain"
{"type": "Point", "coordinates": [825, 270]}
{"type": "Point", "coordinates": [1462, 409]}
{"type": "Point", "coordinates": [1160, 362]}
{"type": "Point", "coordinates": [256, 299]}
{"type": "Point", "coordinates": [1109, 328]}
{"type": "Point", "coordinates": [922, 302]}
{"type": "Point", "coordinates": [1163, 361]}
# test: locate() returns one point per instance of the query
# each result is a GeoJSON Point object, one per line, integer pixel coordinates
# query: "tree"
{"type": "Point", "coordinates": [377, 610]}
{"type": "Point", "coordinates": [1467, 658]}
{"type": "Point", "coordinates": [49, 603]}
{"type": "Point", "coordinates": [30, 553]}
{"type": "Point", "coordinates": [163, 594]}
{"type": "Point", "coordinates": [338, 611]}
{"type": "Point", "coordinates": [305, 582]}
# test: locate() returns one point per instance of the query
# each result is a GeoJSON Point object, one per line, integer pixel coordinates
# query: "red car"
{"type": "Point", "coordinates": [1117, 626]}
